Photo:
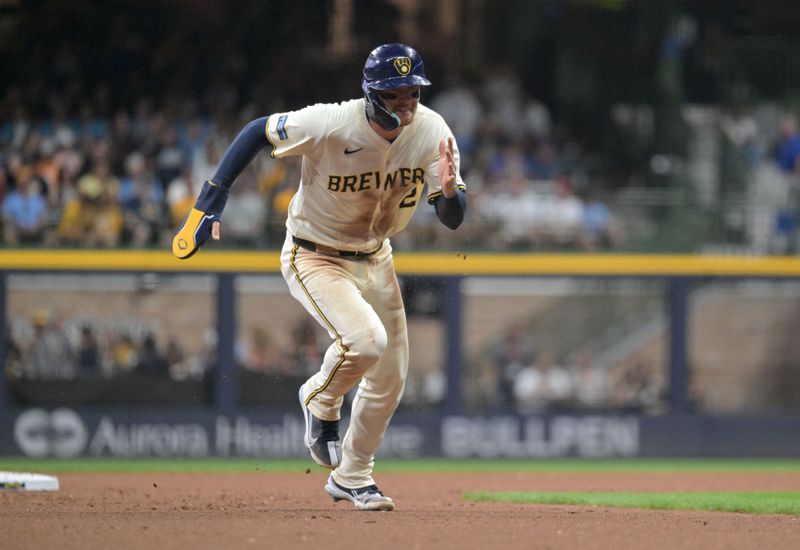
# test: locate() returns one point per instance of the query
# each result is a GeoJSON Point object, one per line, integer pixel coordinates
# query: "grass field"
{"type": "Point", "coordinates": [746, 502]}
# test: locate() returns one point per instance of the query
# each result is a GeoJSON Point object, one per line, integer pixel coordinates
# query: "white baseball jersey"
{"type": "Point", "coordinates": [357, 188]}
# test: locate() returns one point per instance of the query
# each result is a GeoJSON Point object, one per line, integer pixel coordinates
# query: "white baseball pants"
{"type": "Point", "coordinates": [358, 301]}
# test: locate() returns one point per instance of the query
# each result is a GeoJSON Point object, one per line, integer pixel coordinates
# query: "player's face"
{"type": "Point", "coordinates": [402, 102]}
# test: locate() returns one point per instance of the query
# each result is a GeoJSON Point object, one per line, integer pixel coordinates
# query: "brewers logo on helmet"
{"type": "Point", "coordinates": [403, 65]}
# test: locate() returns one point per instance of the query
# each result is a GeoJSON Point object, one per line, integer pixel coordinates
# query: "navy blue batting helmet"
{"type": "Point", "coordinates": [390, 66]}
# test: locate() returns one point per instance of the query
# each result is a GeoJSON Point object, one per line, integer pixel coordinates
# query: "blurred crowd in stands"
{"type": "Point", "coordinates": [82, 167]}
{"type": "Point", "coordinates": [515, 373]}
{"type": "Point", "coordinates": [78, 174]}
{"type": "Point", "coordinates": [50, 348]}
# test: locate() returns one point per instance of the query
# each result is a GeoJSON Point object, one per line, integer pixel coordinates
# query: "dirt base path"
{"type": "Point", "coordinates": [231, 511]}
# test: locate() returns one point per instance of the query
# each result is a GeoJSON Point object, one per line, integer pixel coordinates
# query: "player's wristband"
{"type": "Point", "coordinates": [196, 229]}
{"type": "Point", "coordinates": [451, 211]}
{"type": "Point", "coordinates": [212, 198]}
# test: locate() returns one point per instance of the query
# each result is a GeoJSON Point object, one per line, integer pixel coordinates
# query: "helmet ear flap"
{"type": "Point", "coordinates": [377, 112]}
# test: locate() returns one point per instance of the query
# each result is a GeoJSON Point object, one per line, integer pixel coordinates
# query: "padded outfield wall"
{"type": "Point", "coordinates": [716, 330]}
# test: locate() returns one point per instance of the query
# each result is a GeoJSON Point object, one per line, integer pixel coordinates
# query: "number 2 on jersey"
{"type": "Point", "coordinates": [410, 199]}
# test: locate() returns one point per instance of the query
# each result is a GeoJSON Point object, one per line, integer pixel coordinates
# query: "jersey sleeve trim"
{"type": "Point", "coordinates": [436, 194]}
{"type": "Point", "coordinates": [266, 131]}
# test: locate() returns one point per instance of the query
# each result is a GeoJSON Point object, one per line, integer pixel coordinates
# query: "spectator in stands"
{"type": "Point", "coordinates": [598, 229]}
{"type": "Point", "coordinates": [48, 172]}
{"type": "Point", "coordinates": [170, 158]}
{"type": "Point", "coordinates": [542, 385]}
{"type": "Point", "coordinates": [49, 354]}
{"type": "Point", "coordinates": [259, 353]}
{"type": "Point", "coordinates": [486, 392]}
{"type": "Point", "coordinates": [562, 213]}
{"type": "Point", "coordinates": [14, 366]}
{"type": "Point", "coordinates": [739, 143]}
{"type": "Point", "coordinates": [143, 125]}
{"type": "Point", "coordinates": [510, 162]}
{"type": "Point", "coordinates": [463, 112]}
{"type": "Point", "coordinates": [537, 122]}
{"type": "Point", "coordinates": [433, 386]}
{"type": "Point", "coordinates": [208, 355]}
{"type": "Point", "coordinates": [503, 95]}
{"type": "Point", "coordinates": [88, 354]}
{"type": "Point", "coordinates": [122, 142]}
{"type": "Point", "coordinates": [93, 218]}
{"type": "Point", "coordinates": [141, 199]}
{"type": "Point", "coordinates": [6, 181]}
{"type": "Point", "coordinates": [516, 210]}
{"type": "Point", "coordinates": [545, 163]}
{"type": "Point", "coordinates": [24, 210]}
{"type": "Point", "coordinates": [205, 161]}
{"type": "Point", "coordinates": [740, 130]}
{"type": "Point", "coordinates": [181, 364]}
{"type": "Point", "coordinates": [69, 159]}
{"type": "Point", "coordinates": [591, 382]}
{"type": "Point", "coordinates": [251, 213]}
{"type": "Point", "coordinates": [193, 140]}
{"type": "Point", "coordinates": [150, 362]}
{"type": "Point", "coordinates": [179, 198]}
{"type": "Point", "coordinates": [638, 387]}
{"type": "Point", "coordinates": [92, 124]}
{"type": "Point", "coordinates": [510, 356]}
{"type": "Point", "coordinates": [308, 352]}
{"type": "Point", "coordinates": [788, 160]}
{"type": "Point", "coordinates": [788, 149]}
{"type": "Point", "coordinates": [124, 353]}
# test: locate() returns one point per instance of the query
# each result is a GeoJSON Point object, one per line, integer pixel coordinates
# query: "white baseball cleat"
{"type": "Point", "coordinates": [321, 438]}
{"type": "Point", "coordinates": [367, 498]}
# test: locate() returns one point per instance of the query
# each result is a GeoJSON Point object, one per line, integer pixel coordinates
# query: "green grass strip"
{"type": "Point", "coordinates": [427, 465]}
{"type": "Point", "coordinates": [750, 502]}
{"type": "Point", "coordinates": [578, 465]}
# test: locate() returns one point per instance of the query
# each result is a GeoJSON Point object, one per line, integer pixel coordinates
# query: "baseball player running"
{"type": "Point", "coordinates": [365, 164]}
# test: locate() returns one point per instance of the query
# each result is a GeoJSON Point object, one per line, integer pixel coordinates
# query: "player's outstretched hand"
{"type": "Point", "coordinates": [202, 222]}
{"type": "Point", "coordinates": [194, 233]}
{"type": "Point", "coordinates": [447, 168]}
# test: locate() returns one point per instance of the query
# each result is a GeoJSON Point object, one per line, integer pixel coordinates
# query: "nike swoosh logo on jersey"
{"type": "Point", "coordinates": [348, 151]}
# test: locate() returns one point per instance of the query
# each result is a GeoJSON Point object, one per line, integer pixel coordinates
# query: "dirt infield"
{"type": "Point", "coordinates": [268, 510]}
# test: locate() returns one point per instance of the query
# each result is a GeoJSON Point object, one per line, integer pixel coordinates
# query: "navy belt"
{"type": "Point", "coordinates": [314, 247]}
